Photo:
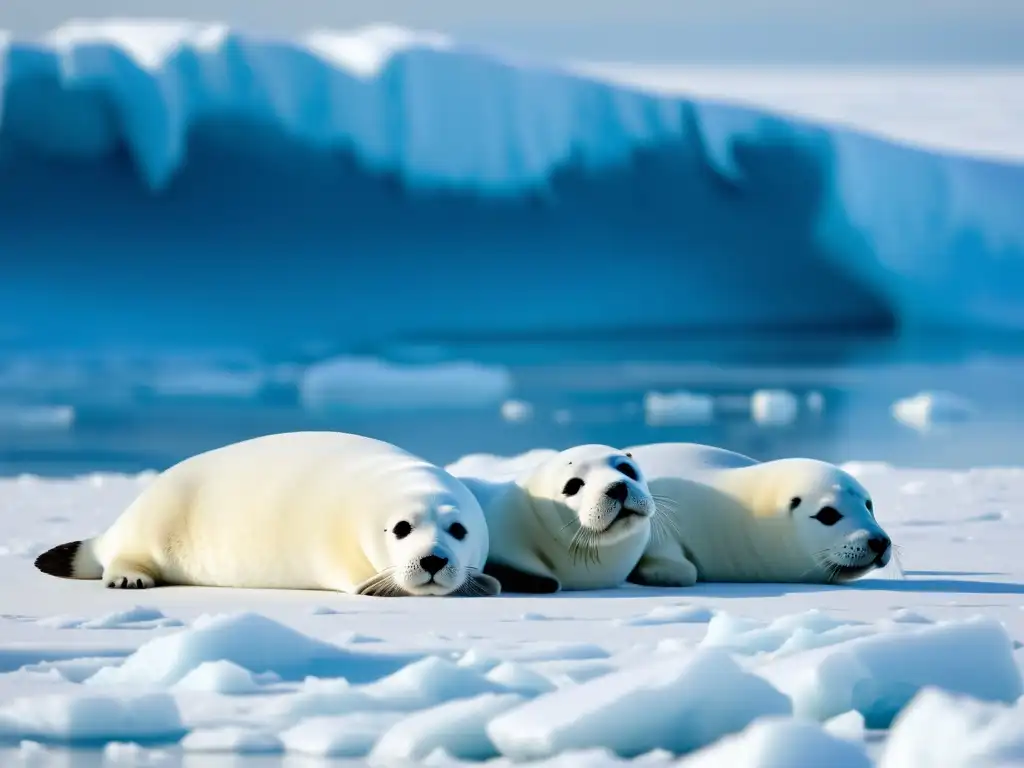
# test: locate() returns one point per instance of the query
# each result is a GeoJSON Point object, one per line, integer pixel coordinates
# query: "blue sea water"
{"type": "Point", "coordinates": [68, 412]}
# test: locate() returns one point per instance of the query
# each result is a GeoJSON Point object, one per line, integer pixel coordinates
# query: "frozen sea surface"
{"type": "Point", "coordinates": [715, 674]}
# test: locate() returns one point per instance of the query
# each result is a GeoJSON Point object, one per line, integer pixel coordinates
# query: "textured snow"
{"type": "Point", "coordinates": [878, 675]}
{"type": "Point", "coordinates": [222, 677]}
{"type": "Point", "coordinates": [677, 704]}
{"type": "Point", "coordinates": [86, 718]}
{"type": "Point", "coordinates": [938, 728]}
{"type": "Point", "coordinates": [458, 727]}
{"type": "Point", "coordinates": [280, 650]}
{"type": "Point", "coordinates": [746, 208]}
{"type": "Point", "coordinates": [779, 743]}
{"type": "Point", "coordinates": [139, 617]}
{"type": "Point", "coordinates": [237, 740]}
{"type": "Point", "coordinates": [350, 735]}
{"type": "Point", "coordinates": [921, 670]}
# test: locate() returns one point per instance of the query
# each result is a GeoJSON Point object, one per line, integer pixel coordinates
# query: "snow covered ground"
{"type": "Point", "coordinates": [978, 111]}
{"type": "Point", "coordinates": [717, 675]}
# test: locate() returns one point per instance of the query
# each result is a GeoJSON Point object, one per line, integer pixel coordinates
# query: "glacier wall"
{"type": "Point", "coordinates": [186, 183]}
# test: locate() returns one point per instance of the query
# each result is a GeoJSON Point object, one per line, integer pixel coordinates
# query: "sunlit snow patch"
{"type": "Point", "coordinates": [250, 641]}
{"type": "Point", "coordinates": [879, 674]}
{"type": "Point", "coordinates": [91, 718]}
{"type": "Point", "coordinates": [457, 727]}
{"type": "Point", "coordinates": [139, 617]}
{"type": "Point", "coordinates": [223, 677]}
{"type": "Point", "coordinates": [231, 739]}
{"type": "Point", "coordinates": [678, 704]}
{"type": "Point", "coordinates": [785, 635]}
{"type": "Point", "coordinates": [779, 743]}
{"type": "Point", "coordinates": [429, 682]}
{"type": "Point", "coordinates": [495, 469]}
{"type": "Point", "coordinates": [670, 614]}
{"type": "Point", "coordinates": [937, 729]}
{"type": "Point", "coordinates": [350, 735]}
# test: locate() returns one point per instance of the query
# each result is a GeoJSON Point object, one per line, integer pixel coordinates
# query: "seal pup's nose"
{"type": "Point", "coordinates": [879, 544]}
{"type": "Point", "coordinates": [617, 491]}
{"type": "Point", "coordinates": [432, 563]}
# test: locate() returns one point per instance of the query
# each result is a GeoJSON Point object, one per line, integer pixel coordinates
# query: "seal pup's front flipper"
{"type": "Point", "coordinates": [381, 584]}
{"type": "Point", "coordinates": [513, 579]}
{"type": "Point", "coordinates": [479, 584]}
{"type": "Point", "coordinates": [657, 571]}
{"type": "Point", "coordinates": [665, 563]}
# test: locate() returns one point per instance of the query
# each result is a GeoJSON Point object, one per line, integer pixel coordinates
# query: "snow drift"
{"type": "Point", "coordinates": [191, 177]}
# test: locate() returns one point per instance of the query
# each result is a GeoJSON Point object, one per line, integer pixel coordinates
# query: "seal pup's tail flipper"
{"type": "Point", "coordinates": [74, 560]}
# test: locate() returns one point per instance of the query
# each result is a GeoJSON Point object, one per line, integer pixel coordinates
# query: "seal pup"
{"type": "Point", "coordinates": [729, 518]}
{"type": "Point", "coordinates": [298, 510]}
{"type": "Point", "coordinates": [573, 520]}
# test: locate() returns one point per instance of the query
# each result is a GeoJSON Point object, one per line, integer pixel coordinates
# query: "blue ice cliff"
{"type": "Point", "coordinates": [185, 183]}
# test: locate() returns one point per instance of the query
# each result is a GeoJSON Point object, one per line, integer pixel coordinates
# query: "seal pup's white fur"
{"type": "Point", "coordinates": [725, 517]}
{"type": "Point", "coordinates": [578, 519]}
{"type": "Point", "coordinates": [299, 510]}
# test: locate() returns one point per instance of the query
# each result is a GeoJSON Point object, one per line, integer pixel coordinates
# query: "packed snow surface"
{"type": "Point", "coordinates": [363, 156]}
{"type": "Point", "coordinates": [906, 671]}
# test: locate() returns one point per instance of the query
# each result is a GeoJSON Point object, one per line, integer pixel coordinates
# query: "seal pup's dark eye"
{"type": "Point", "coordinates": [828, 516]}
{"type": "Point", "coordinates": [572, 487]}
{"type": "Point", "coordinates": [457, 531]}
{"type": "Point", "coordinates": [794, 503]}
{"type": "Point", "coordinates": [869, 505]}
{"type": "Point", "coordinates": [401, 529]}
{"type": "Point", "coordinates": [628, 471]}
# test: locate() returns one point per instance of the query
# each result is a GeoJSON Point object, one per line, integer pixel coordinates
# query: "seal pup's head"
{"type": "Point", "coordinates": [437, 546]}
{"type": "Point", "coordinates": [833, 516]}
{"type": "Point", "coordinates": [593, 496]}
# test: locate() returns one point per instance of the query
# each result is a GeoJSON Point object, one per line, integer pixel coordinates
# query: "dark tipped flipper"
{"type": "Point", "coordinates": [514, 580]}
{"type": "Point", "coordinates": [59, 561]}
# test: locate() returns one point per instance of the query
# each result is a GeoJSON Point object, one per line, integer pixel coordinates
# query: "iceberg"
{"type": "Point", "coordinates": [183, 182]}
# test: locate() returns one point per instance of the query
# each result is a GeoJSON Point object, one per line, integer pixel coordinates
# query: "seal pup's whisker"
{"type": "Point", "coordinates": [593, 548]}
{"type": "Point", "coordinates": [569, 524]}
{"type": "Point", "coordinates": [660, 529]}
{"type": "Point", "coordinates": [665, 521]}
{"type": "Point", "coordinates": [897, 573]}
{"type": "Point", "coordinates": [820, 561]}
{"type": "Point", "coordinates": [664, 501]}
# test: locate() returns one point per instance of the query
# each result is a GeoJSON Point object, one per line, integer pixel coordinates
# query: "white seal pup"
{"type": "Point", "coordinates": [578, 519]}
{"type": "Point", "coordinates": [299, 510]}
{"type": "Point", "coordinates": [726, 517]}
